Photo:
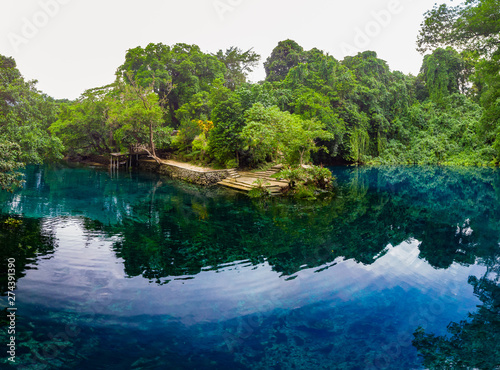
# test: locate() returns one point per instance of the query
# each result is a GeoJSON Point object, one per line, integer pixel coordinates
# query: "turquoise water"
{"type": "Point", "coordinates": [398, 270]}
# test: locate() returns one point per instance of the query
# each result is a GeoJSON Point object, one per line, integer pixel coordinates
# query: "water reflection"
{"type": "Point", "coordinates": [473, 342]}
{"type": "Point", "coordinates": [453, 213]}
{"type": "Point", "coordinates": [454, 220]}
{"type": "Point", "coordinates": [346, 280]}
{"type": "Point", "coordinates": [26, 240]}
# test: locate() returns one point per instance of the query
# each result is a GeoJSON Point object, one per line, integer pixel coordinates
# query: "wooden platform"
{"type": "Point", "coordinates": [246, 181]}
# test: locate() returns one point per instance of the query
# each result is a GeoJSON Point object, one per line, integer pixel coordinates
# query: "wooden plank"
{"type": "Point", "coordinates": [235, 186]}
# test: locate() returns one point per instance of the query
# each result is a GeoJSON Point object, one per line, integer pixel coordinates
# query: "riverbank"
{"type": "Point", "coordinates": [303, 182]}
{"type": "Point", "coordinates": [200, 175]}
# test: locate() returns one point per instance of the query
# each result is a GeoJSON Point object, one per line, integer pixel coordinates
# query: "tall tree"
{"type": "Point", "coordinates": [286, 55]}
{"type": "Point", "coordinates": [444, 72]}
{"type": "Point", "coordinates": [238, 64]}
{"type": "Point", "coordinates": [139, 106]}
{"type": "Point", "coordinates": [227, 116]}
{"type": "Point", "coordinates": [184, 69]}
{"type": "Point", "coordinates": [473, 25]}
{"type": "Point", "coordinates": [281, 136]}
{"type": "Point", "coordinates": [116, 117]}
{"type": "Point", "coordinates": [474, 28]}
{"type": "Point", "coordinates": [25, 115]}
{"type": "Point", "coordinates": [83, 125]}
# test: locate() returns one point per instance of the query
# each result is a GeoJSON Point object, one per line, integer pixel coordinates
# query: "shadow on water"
{"type": "Point", "coordinates": [165, 230]}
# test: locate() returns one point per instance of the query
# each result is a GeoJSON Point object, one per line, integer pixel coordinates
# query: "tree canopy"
{"type": "Point", "coordinates": [473, 28]}
{"type": "Point", "coordinates": [25, 115]}
{"type": "Point", "coordinates": [311, 108]}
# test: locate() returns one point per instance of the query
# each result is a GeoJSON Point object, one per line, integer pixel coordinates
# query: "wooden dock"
{"type": "Point", "coordinates": [246, 181]}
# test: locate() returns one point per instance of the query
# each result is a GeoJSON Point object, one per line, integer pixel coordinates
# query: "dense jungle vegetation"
{"type": "Point", "coordinates": [310, 107]}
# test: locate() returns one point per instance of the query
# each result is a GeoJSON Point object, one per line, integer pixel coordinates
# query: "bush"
{"type": "Point", "coordinates": [303, 191]}
{"type": "Point", "coordinates": [318, 177]}
{"type": "Point", "coordinates": [306, 182]}
{"type": "Point", "coordinates": [260, 190]}
{"type": "Point", "coordinates": [293, 175]}
{"type": "Point", "coordinates": [321, 177]}
{"type": "Point", "coordinates": [188, 131]}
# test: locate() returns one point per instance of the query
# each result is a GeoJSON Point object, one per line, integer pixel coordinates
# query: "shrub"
{"type": "Point", "coordinates": [260, 190]}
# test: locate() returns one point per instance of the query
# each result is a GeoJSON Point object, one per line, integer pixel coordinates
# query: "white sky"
{"type": "Point", "coordinates": [73, 45]}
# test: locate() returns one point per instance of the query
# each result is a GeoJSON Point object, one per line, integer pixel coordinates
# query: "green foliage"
{"type": "Point", "coordinates": [293, 175]}
{"type": "Point", "coordinates": [306, 181]}
{"type": "Point", "coordinates": [12, 222]}
{"type": "Point", "coordinates": [260, 190]}
{"type": "Point", "coordinates": [187, 132]}
{"type": "Point", "coordinates": [162, 137]}
{"type": "Point", "coordinates": [113, 118]}
{"type": "Point", "coordinates": [184, 67]}
{"type": "Point", "coordinates": [25, 115]}
{"type": "Point", "coordinates": [200, 145]}
{"type": "Point", "coordinates": [238, 64]}
{"type": "Point", "coordinates": [444, 72]}
{"type": "Point", "coordinates": [224, 141]}
{"type": "Point", "coordinates": [82, 126]}
{"type": "Point", "coordinates": [10, 178]}
{"type": "Point", "coordinates": [259, 142]}
{"type": "Point", "coordinates": [286, 55]}
{"type": "Point", "coordinates": [472, 26]}
{"type": "Point", "coordinates": [272, 134]}
{"type": "Point", "coordinates": [358, 141]}
{"type": "Point", "coordinates": [321, 177]}
{"type": "Point", "coordinates": [303, 191]}
{"type": "Point", "coordinates": [440, 134]}
{"type": "Point", "coordinates": [265, 93]}
{"type": "Point", "coordinates": [471, 343]}
{"type": "Point", "coordinates": [261, 134]}
{"type": "Point", "coordinates": [198, 107]}
{"type": "Point", "coordinates": [318, 176]}
{"type": "Point", "coordinates": [311, 108]}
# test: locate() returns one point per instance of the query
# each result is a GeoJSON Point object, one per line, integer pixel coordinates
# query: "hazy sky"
{"type": "Point", "coordinates": [73, 45]}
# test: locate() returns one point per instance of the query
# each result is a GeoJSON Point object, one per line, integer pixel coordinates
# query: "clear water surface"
{"type": "Point", "coordinates": [398, 270]}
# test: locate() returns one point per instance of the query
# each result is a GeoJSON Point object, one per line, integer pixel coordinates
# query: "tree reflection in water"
{"type": "Point", "coordinates": [163, 229]}
{"type": "Point", "coordinates": [471, 343]}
